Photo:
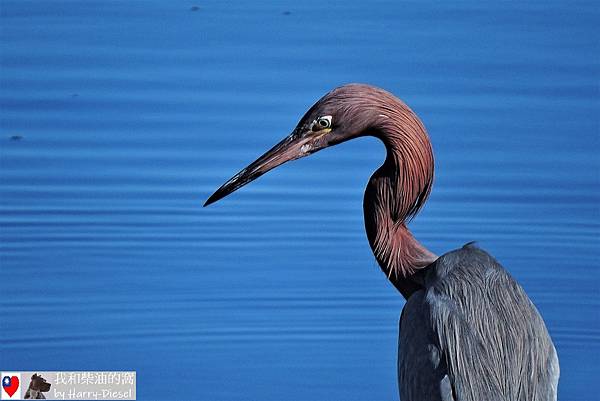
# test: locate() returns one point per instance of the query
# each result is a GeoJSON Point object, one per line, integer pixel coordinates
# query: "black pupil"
{"type": "Point", "coordinates": [323, 123]}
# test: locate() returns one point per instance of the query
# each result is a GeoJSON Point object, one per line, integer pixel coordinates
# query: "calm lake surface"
{"type": "Point", "coordinates": [118, 119]}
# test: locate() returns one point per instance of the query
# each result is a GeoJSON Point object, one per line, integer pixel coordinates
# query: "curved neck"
{"type": "Point", "coordinates": [394, 194]}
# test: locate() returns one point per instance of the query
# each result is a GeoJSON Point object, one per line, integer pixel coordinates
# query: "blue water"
{"type": "Point", "coordinates": [118, 119]}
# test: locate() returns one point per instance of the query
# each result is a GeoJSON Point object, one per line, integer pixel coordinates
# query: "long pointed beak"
{"type": "Point", "coordinates": [291, 148]}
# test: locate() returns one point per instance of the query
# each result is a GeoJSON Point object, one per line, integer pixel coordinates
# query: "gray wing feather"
{"type": "Point", "coordinates": [492, 342]}
{"type": "Point", "coordinates": [422, 370]}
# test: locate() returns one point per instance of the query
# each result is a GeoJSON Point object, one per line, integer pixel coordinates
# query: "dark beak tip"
{"type": "Point", "coordinates": [218, 195]}
{"type": "Point", "coordinates": [212, 199]}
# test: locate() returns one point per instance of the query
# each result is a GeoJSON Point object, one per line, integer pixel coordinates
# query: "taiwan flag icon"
{"type": "Point", "coordinates": [11, 386]}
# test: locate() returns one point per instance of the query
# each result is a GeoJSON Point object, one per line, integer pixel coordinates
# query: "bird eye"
{"type": "Point", "coordinates": [321, 123]}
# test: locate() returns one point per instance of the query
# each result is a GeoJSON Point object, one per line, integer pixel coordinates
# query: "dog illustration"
{"type": "Point", "coordinates": [37, 386]}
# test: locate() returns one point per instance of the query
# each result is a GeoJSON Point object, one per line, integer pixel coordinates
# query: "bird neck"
{"type": "Point", "coordinates": [394, 194]}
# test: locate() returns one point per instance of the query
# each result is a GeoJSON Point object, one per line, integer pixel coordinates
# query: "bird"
{"type": "Point", "coordinates": [468, 331]}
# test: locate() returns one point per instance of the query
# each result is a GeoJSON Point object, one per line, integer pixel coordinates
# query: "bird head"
{"type": "Point", "coordinates": [344, 113]}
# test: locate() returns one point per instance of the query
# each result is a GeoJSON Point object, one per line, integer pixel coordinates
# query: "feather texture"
{"type": "Point", "coordinates": [491, 341]}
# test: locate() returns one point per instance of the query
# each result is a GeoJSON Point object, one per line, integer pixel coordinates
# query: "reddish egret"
{"type": "Point", "coordinates": [468, 331]}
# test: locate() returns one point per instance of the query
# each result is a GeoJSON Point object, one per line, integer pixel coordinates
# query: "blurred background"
{"type": "Point", "coordinates": [118, 119]}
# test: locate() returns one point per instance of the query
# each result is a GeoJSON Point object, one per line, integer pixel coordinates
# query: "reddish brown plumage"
{"type": "Point", "coordinates": [396, 191]}
{"type": "Point", "coordinates": [400, 187]}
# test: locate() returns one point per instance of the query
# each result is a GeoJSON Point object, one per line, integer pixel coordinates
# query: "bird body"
{"type": "Point", "coordinates": [471, 334]}
{"type": "Point", "coordinates": [468, 331]}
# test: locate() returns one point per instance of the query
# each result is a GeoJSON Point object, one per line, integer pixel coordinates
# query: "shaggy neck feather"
{"type": "Point", "coordinates": [395, 193]}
